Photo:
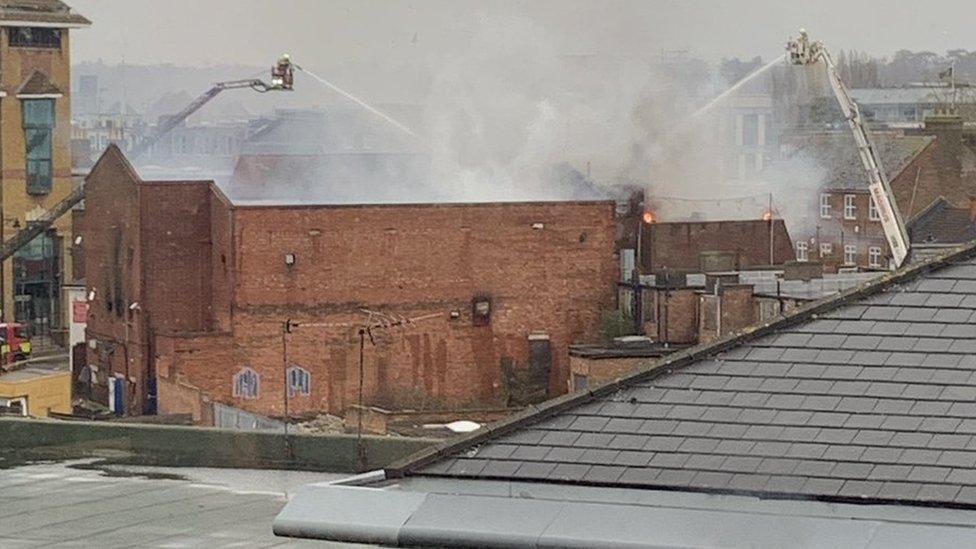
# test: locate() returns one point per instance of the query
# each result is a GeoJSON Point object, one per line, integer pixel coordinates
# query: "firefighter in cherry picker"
{"type": "Point", "coordinates": [282, 74]}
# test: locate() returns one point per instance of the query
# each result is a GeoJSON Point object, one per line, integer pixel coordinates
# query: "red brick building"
{"type": "Point", "coordinates": [700, 246]}
{"type": "Point", "coordinates": [843, 228]}
{"type": "Point", "coordinates": [470, 305]}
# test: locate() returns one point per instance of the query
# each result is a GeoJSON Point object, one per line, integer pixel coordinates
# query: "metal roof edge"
{"type": "Point", "coordinates": [674, 361]}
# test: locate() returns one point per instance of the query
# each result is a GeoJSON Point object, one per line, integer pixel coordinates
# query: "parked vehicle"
{"type": "Point", "coordinates": [15, 343]}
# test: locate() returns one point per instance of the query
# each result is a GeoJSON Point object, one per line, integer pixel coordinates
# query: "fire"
{"type": "Point", "coordinates": [648, 217]}
{"type": "Point", "coordinates": [767, 215]}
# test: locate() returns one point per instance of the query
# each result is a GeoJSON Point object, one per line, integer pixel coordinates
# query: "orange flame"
{"type": "Point", "coordinates": [767, 215]}
{"type": "Point", "coordinates": [648, 217]}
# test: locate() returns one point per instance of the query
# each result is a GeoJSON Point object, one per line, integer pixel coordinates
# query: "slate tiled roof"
{"type": "Point", "coordinates": [872, 398]}
{"type": "Point", "coordinates": [41, 11]}
{"type": "Point", "coordinates": [940, 223]}
{"type": "Point", "coordinates": [837, 151]}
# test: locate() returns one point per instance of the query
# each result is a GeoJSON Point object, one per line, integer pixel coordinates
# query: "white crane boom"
{"type": "Point", "coordinates": [804, 52]}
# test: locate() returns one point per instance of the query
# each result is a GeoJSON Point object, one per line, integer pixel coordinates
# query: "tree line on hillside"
{"type": "Point", "coordinates": [861, 70]}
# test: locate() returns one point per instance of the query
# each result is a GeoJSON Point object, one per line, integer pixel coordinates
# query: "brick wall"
{"type": "Point", "coordinates": [601, 370]}
{"type": "Point", "coordinates": [411, 262]}
{"type": "Point", "coordinates": [679, 245]}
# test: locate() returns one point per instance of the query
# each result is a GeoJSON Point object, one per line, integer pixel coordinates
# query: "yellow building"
{"type": "Point", "coordinates": [35, 155]}
{"type": "Point", "coordinates": [36, 392]}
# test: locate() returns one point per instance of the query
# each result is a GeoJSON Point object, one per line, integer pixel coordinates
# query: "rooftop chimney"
{"type": "Point", "coordinates": [947, 129]}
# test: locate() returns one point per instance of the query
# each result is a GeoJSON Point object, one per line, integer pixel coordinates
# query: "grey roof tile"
{"type": "Point", "coordinates": [918, 391]}
{"type": "Point", "coordinates": [957, 458]}
{"type": "Point", "coordinates": [639, 476]}
{"type": "Point", "coordinates": [864, 421]}
{"type": "Point", "coordinates": [860, 488]}
{"type": "Point", "coordinates": [633, 458]}
{"type": "Point", "coordinates": [593, 440]}
{"type": "Point", "coordinates": [785, 484]}
{"type": "Point", "coordinates": [710, 479]}
{"type": "Point", "coordinates": [918, 456]}
{"type": "Point", "coordinates": [560, 438]}
{"type": "Point", "coordinates": [596, 455]}
{"type": "Point", "coordinates": [922, 473]}
{"type": "Point", "coordinates": [629, 442]}
{"type": "Point", "coordinates": [672, 460]}
{"type": "Point", "coordinates": [890, 472]}
{"type": "Point", "coordinates": [569, 471]}
{"type": "Point", "coordinates": [940, 424]}
{"type": "Point", "coordinates": [745, 481]}
{"type": "Point", "coordinates": [950, 441]}
{"type": "Point", "coordinates": [835, 436]}
{"type": "Point", "coordinates": [862, 342]}
{"type": "Point", "coordinates": [881, 455]}
{"type": "Point", "coordinates": [589, 423]}
{"type": "Point", "coordinates": [831, 419]}
{"type": "Point", "coordinates": [822, 486]}
{"type": "Point", "coordinates": [527, 453]}
{"type": "Point", "coordinates": [744, 464]}
{"type": "Point", "coordinates": [966, 495]}
{"type": "Point", "coordinates": [777, 466]}
{"type": "Point", "coordinates": [852, 470]}
{"type": "Point", "coordinates": [663, 443]}
{"type": "Point", "coordinates": [496, 468]}
{"type": "Point", "coordinates": [533, 469]}
{"type": "Point", "coordinates": [675, 477]}
{"type": "Point", "coordinates": [604, 473]}
{"type": "Point", "coordinates": [848, 452]}
{"type": "Point", "coordinates": [911, 440]}
{"type": "Point", "coordinates": [937, 492]}
{"type": "Point", "coordinates": [899, 490]}
{"type": "Point", "coordinates": [657, 426]}
{"type": "Point", "coordinates": [567, 455]}
{"type": "Point", "coordinates": [692, 428]}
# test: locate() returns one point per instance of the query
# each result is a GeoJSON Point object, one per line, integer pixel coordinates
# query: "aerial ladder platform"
{"type": "Point", "coordinates": [801, 51]}
{"type": "Point", "coordinates": [282, 79]}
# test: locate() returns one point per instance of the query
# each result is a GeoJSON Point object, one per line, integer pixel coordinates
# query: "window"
{"type": "Point", "coordinates": [246, 383]}
{"type": "Point", "coordinates": [38, 131]}
{"type": "Point", "coordinates": [874, 256]}
{"type": "Point", "coordinates": [850, 210]}
{"type": "Point", "coordinates": [801, 251]}
{"type": "Point", "coordinates": [34, 37]}
{"type": "Point", "coordinates": [826, 248]}
{"type": "Point", "coordinates": [580, 382]}
{"type": "Point", "coordinates": [873, 213]}
{"type": "Point", "coordinates": [850, 254]}
{"type": "Point", "coordinates": [825, 206]}
{"type": "Point", "coordinates": [299, 381]}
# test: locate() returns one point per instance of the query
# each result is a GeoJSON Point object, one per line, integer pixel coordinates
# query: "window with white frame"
{"type": "Point", "coordinates": [874, 256]}
{"type": "Point", "coordinates": [826, 249]}
{"type": "Point", "coordinates": [873, 213]}
{"type": "Point", "coordinates": [850, 210]}
{"type": "Point", "coordinates": [850, 254]}
{"type": "Point", "coordinates": [299, 381]}
{"type": "Point", "coordinates": [825, 205]}
{"type": "Point", "coordinates": [246, 383]}
{"type": "Point", "coordinates": [801, 251]}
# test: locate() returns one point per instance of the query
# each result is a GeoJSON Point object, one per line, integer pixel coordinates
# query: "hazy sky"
{"type": "Point", "coordinates": [325, 32]}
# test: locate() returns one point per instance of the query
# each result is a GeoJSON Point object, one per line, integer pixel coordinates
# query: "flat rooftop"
{"type": "Point", "coordinates": [70, 504]}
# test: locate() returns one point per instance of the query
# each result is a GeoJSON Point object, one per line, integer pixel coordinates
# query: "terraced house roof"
{"type": "Point", "coordinates": [870, 396]}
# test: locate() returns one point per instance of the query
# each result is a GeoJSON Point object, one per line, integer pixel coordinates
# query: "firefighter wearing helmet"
{"type": "Point", "coordinates": [282, 76]}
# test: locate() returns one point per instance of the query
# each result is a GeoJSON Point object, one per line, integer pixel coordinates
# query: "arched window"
{"type": "Point", "coordinates": [246, 383]}
{"type": "Point", "coordinates": [299, 381]}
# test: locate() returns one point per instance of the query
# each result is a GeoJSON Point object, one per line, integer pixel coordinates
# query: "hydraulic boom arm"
{"type": "Point", "coordinates": [282, 79]}
{"type": "Point", "coordinates": [804, 52]}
